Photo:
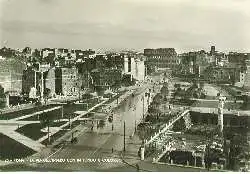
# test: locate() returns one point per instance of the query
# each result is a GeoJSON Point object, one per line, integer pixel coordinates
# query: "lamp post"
{"type": "Point", "coordinates": [124, 136]}
{"type": "Point", "coordinates": [48, 133]}
{"type": "Point", "coordinates": [143, 107]}
{"type": "Point", "coordinates": [42, 89]}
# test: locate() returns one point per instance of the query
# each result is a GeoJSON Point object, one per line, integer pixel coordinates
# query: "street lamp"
{"type": "Point", "coordinates": [143, 107]}
{"type": "Point", "coordinates": [124, 136]}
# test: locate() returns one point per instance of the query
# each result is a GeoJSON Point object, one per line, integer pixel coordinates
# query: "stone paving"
{"type": "Point", "coordinates": [8, 128]}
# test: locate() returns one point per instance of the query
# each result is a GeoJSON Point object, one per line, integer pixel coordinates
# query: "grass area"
{"type": "Point", "coordinates": [57, 124]}
{"type": "Point", "coordinates": [232, 90]}
{"type": "Point", "coordinates": [182, 102]}
{"type": "Point", "coordinates": [62, 132]}
{"type": "Point", "coordinates": [202, 130]}
{"type": "Point", "coordinates": [55, 114]}
{"type": "Point", "coordinates": [54, 137]}
{"type": "Point", "coordinates": [73, 124]}
{"type": "Point", "coordinates": [16, 114]}
{"type": "Point", "coordinates": [68, 110]}
{"type": "Point", "coordinates": [32, 131]}
{"type": "Point", "coordinates": [11, 149]}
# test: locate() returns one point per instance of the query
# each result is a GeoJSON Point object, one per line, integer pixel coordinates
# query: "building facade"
{"type": "Point", "coordinates": [50, 82]}
{"type": "Point", "coordinates": [106, 78]}
{"type": "Point", "coordinates": [66, 82]}
{"type": "Point", "coordinates": [162, 57]}
{"type": "Point", "coordinates": [11, 75]}
{"type": "Point", "coordinates": [193, 63]}
{"type": "Point", "coordinates": [238, 58]}
{"type": "Point", "coordinates": [231, 75]}
{"type": "Point", "coordinates": [30, 79]}
{"type": "Point", "coordinates": [246, 84]}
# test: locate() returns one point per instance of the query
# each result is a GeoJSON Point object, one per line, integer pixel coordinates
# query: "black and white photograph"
{"type": "Point", "coordinates": [125, 85]}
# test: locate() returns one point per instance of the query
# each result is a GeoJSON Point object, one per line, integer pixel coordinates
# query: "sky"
{"type": "Point", "coordinates": [125, 24]}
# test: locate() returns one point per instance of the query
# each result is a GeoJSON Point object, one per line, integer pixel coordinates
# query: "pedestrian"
{"type": "Point", "coordinates": [137, 167]}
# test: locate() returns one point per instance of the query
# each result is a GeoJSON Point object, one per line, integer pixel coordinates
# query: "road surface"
{"type": "Point", "coordinates": [100, 149]}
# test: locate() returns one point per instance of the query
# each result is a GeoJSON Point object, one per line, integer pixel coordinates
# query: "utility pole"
{"type": "Point", "coordinates": [48, 133]}
{"type": "Point", "coordinates": [124, 134]}
{"type": "Point", "coordinates": [135, 125]}
{"type": "Point", "coordinates": [88, 78]}
{"type": "Point", "coordinates": [135, 116]}
{"type": "Point", "coordinates": [143, 107]}
{"type": "Point", "coordinates": [62, 112]}
{"type": "Point", "coordinates": [79, 91]}
{"type": "Point", "coordinates": [69, 121]}
{"type": "Point", "coordinates": [35, 80]}
{"type": "Point", "coordinates": [42, 89]}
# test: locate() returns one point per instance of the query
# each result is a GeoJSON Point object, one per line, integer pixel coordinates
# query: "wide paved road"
{"type": "Point", "coordinates": [98, 144]}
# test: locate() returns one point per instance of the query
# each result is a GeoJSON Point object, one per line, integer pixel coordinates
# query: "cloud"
{"type": "Point", "coordinates": [127, 23]}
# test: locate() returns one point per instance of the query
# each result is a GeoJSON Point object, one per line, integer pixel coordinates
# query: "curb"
{"type": "Point", "coordinates": [134, 166]}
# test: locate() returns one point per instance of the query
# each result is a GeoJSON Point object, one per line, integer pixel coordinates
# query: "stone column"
{"type": "Point", "coordinates": [220, 112]}
{"type": "Point", "coordinates": [7, 100]}
{"type": "Point", "coordinates": [195, 161]}
{"type": "Point", "coordinates": [203, 161]}
{"type": "Point", "coordinates": [142, 153]}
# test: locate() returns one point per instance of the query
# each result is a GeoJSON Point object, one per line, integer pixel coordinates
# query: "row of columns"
{"type": "Point", "coordinates": [188, 164]}
{"type": "Point", "coordinates": [227, 121]}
